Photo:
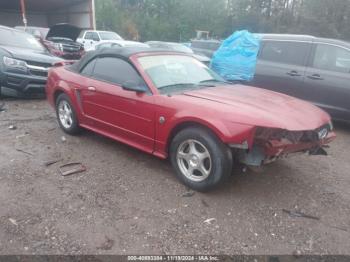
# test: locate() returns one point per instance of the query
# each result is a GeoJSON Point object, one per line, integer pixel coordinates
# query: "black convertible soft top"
{"type": "Point", "coordinates": [122, 52]}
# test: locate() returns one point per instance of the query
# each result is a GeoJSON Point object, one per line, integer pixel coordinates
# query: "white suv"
{"type": "Point", "coordinates": [91, 38]}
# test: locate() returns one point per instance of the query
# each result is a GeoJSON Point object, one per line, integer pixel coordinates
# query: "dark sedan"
{"type": "Point", "coordinates": [24, 63]}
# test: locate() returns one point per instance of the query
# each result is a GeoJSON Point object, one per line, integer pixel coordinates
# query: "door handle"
{"type": "Point", "coordinates": [293, 73]}
{"type": "Point", "coordinates": [92, 89]}
{"type": "Point", "coordinates": [315, 77]}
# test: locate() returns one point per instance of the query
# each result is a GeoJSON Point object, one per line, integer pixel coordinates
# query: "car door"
{"type": "Point", "coordinates": [281, 66]}
{"type": "Point", "coordinates": [327, 79]}
{"type": "Point", "coordinates": [90, 40]}
{"type": "Point", "coordinates": [124, 115]}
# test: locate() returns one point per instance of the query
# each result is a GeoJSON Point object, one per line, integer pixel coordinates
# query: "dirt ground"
{"type": "Point", "coordinates": [128, 202]}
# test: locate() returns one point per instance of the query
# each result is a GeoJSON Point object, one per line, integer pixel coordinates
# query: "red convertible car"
{"type": "Point", "coordinates": [171, 105]}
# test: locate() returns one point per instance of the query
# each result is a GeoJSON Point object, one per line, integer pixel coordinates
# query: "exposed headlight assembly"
{"type": "Point", "coordinates": [15, 63]}
{"type": "Point", "coordinates": [323, 133]}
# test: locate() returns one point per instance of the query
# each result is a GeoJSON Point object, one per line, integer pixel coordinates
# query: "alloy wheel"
{"type": "Point", "coordinates": [65, 114]}
{"type": "Point", "coordinates": [194, 160]}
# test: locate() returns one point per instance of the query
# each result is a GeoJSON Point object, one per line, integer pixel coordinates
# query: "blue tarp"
{"type": "Point", "coordinates": [236, 58]}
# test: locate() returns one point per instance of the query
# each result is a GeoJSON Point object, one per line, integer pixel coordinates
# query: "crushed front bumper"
{"type": "Point", "coordinates": [270, 147]}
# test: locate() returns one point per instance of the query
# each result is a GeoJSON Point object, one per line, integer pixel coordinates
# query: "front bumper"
{"type": "Point", "coordinates": [277, 148]}
{"type": "Point", "coordinates": [273, 150]}
{"type": "Point", "coordinates": [24, 84]}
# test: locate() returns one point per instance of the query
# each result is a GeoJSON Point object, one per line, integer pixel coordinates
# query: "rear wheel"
{"type": "Point", "coordinates": [66, 115]}
{"type": "Point", "coordinates": [200, 159]}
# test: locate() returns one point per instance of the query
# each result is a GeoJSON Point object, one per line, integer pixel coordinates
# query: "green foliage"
{"type": "Point", "coordinates": [178, 20]}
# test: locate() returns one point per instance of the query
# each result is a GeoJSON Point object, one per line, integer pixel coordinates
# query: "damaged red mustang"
{"type": "Point", "coordinates": [171, 105]}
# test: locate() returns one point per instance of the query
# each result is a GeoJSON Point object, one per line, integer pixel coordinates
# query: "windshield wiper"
{"type": "Point", "coordinates": [213, 80]}
{"type": "Point", "coordinates": [176, 85]}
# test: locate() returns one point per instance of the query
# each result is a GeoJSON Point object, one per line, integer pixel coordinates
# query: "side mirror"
{"type": "Point", "coordinates": [134, 86]}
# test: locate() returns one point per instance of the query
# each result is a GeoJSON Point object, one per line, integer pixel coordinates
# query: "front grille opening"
{"type": "Point", "coordinates": [39, 73]}
{"type": "Point", "coordinates": [294, 137]}
{"type": "Point", "coordinates": [45, 65]}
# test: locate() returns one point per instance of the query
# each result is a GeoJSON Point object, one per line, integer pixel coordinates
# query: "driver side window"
{"type": "Point", "coordinates": [332, 58]}
{"type": "Point", "coordinates": [115, 70]}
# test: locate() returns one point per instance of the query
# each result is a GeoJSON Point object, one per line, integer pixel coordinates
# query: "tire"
{"type": "Point", "coordinates": [67, 121]}
{"type": "Point", "coordinates": [200, 159]}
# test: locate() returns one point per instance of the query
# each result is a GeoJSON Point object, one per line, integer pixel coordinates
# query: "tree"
{"type": "Point", "coordinates": [177, 20]}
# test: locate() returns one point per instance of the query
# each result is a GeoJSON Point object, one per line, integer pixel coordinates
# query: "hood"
{"type": "Point", "coordinates": [260, 107]}
{"type": "Point", "coordinates": [31, 55]}
{"type": "Point", "coordinates": [64, 31]}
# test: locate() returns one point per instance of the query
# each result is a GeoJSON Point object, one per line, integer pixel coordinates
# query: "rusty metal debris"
{"type": "Point", "coordinates": [72, 168]}
{"type": "Point", "coordinates": [299, 214]}
{"type": "Point", "coordinates": [51, 162]}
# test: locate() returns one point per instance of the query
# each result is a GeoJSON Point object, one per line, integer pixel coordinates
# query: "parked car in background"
{"type": "Point", "coordinates": [24, 63]}
{"type": "Point", "coordinates": [169, 104]}
{"type": "Point", "coordinates": [61, 41]}
{"type": "Point", "coordinates": [307, 67]}
{"type": "Point", "coordinates": [119, 43]}
{"type": "Point", "coordinates": [179, 48]}
{"type": "Point", "coordinates": [205, 47]}
{"type": "Point", "coordinates": [91, 38]}
{"type": "Point", "coordinates": [39, 32]}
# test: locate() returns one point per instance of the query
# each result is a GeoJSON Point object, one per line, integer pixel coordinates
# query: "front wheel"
{"type": "Point", "coordinates": [200, 159]}
{"type": "Point", "coordinates": [66, 115]}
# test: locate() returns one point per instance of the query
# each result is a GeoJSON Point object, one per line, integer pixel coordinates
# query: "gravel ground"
{"type": "Point", "coordinates": [128, 202]}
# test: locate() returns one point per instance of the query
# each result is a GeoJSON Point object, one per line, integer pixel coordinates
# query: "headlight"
{"type": "Point", "coordinates": [58, 46]}
{"type": "Point", "coordinates": [15, 63]}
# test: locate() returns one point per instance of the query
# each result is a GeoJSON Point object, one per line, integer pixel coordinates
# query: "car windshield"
{"type": "Point", "coordinates": [174, 73]}
{"type": "Point", "coordinates": [110, 36]}
{"type": "Point", "coordinates": [19, 39]}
